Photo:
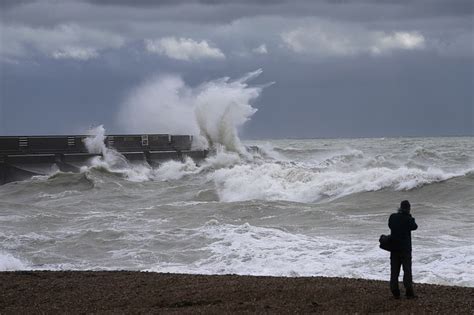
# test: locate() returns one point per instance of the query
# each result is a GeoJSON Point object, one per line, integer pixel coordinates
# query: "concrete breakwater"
{"type": "Point", "coordinates": [22, 157]}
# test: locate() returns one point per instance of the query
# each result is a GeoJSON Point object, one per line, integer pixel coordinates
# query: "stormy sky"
{"type": "Point", "coordinates": [341, 68]}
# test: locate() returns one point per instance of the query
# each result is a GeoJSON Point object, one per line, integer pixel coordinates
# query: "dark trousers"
{"type": "Point", "coordinates": [398, 259]}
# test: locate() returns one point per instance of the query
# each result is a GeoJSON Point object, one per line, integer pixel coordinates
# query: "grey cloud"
{"type": "Point", "coordinates": [232, 24]}
{"type": "Point", "coordinates": [63, 41]}
{"type": "Point", "coordinates": [180, 2]}
{"type": "Point", "coordinates": [327, 8]}
{"type": "Point", "coordinates": [424, 91]}
{"type": "Point", "coordinates": [185, 49]}
{"type": "Point", "coordinates": [40, 13]}
{"type": "Point", "coordinates": [7, 4]}
{"type": "Point", "coordinates": [140, 3]}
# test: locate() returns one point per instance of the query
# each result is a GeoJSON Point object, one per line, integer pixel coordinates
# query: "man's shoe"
{"type": "Point", "coordinates": [411, 297]}
{"type": "Point", "coordinates": [396, 294]}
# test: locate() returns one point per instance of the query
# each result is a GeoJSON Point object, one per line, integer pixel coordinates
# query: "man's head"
{"type": "Point", "coordinates": [405, 206]}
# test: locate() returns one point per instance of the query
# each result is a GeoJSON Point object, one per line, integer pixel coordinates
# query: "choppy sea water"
{"type": "Point", "coordinates": [294, 208]}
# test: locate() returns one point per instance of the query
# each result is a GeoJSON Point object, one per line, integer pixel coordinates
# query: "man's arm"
{"type": "Point", "coordinates": [390, 223]}
{"type": "Point", "coordinates": [414, 226]}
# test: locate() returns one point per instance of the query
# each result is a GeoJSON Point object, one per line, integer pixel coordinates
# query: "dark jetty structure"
{"type": "Point", "coordinates": [22, 157]}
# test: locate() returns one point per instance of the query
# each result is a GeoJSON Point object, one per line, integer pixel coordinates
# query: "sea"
{"type": "Point", "coordinates": [288, 207]}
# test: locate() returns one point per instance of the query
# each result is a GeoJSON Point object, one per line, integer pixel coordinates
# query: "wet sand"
{"type": "Point", "coordinates": [141, 292]}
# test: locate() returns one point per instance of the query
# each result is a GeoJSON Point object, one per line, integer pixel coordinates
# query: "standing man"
{"type": "Point", "coordinates": [401, 224]}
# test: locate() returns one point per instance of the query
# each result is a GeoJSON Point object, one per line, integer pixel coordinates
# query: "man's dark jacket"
{"type": "Point", "coordinates": [401, 224]}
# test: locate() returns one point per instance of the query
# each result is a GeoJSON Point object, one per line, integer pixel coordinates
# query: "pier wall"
{"type": "Point", "coordinates": [24, 156]}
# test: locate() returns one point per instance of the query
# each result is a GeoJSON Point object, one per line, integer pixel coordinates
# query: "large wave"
{"type": "Point", "coordinates": [277, 181]}
{"type": "Point", "coordinates": [298, 171]}
{"type": "Point", "coordinates": [111, 161]}
{"type": "Point", "coordinates": [213, 111]}
{"type": "Point", "coordinates": [236, 179]}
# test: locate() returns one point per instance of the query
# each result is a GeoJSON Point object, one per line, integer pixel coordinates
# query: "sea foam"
{"type": "Point", "coordinates": [251, 250]}
{"type": "Point", "coordinates": [287, 181]}
{"type": "Point", "coordinates": [10, 263]}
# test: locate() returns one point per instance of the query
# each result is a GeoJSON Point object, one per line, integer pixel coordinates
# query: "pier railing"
{"type": "Point", "coordinates": [16, 145]}
{"type": "Point", "coordinates": [24, 156]}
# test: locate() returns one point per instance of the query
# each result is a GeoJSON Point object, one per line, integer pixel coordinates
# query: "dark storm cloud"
{"type": "Point", "coordinates": [342, 68]}
{"type": "Point", "coordinates": [178, 2]}
{"type": "Point", "coordinates": [6, 4]}
{"type": "Point", "coordinates": [311, 7]}
{"type": "Point", "coordinates": [40, 13]}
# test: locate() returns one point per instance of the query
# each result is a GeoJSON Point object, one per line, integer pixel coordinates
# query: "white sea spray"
{"type": "Point", "coordinates": [212, 111]}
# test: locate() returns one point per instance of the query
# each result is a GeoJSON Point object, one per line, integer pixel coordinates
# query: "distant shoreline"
{"type": "Point", "coordinates": [145, 292]}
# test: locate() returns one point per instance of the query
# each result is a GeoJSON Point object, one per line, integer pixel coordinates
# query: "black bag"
{"type": "Point", "coordinates": [386, 242]}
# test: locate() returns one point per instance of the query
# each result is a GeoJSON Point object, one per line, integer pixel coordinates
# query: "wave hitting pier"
{"type": "Point", "coordinates": [22, 157]}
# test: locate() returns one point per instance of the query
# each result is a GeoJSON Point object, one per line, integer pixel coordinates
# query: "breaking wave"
{"type": "Point", "coordinates": [275, 181]}
{"type": "Point", "coordinates": [268, 173]}
{"type": "Point", "coordinates": [212, 111]}
{"type": "Point", "coordinates": [298, 171]}
{"type": "Point", "coordinates": [270, 176]}
{"type": "Point", "coordinates": [111, 161]}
